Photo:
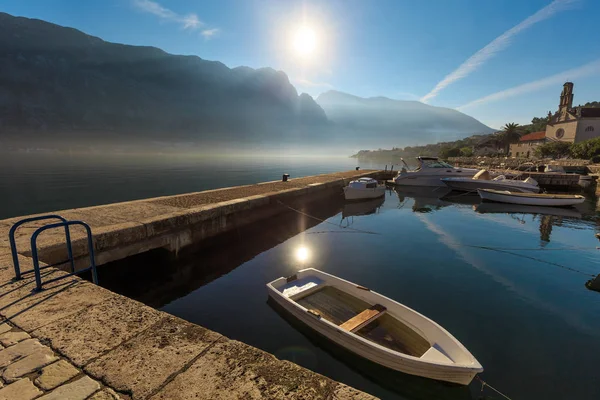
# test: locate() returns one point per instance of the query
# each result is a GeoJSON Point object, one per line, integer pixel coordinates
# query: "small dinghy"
{"type": "Point", "coordinates": [363, 189]}
{"type": "Point", "coordinates": [531, 199]}
{"type": "Point", "coordinates": [374, 327]}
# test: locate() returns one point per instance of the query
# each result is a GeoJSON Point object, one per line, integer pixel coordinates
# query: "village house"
{"type": "Point", "coordinates": [526, 145]}
{"type": "Point", "coordinates": [488, 146]}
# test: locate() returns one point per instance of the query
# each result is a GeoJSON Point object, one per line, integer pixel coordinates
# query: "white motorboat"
{"type": "Point", "coordinates": [483, 180]}
{"type": "Point", "coordinates": [363, 188]}
{"type": "Point", "coordinates": [429, 172]}
{"type": "Point", "coordinates": [531, 199]}
{"type": "Point", "coordinates": [374, 326]}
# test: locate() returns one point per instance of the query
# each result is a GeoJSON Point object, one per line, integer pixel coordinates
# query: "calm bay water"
{"type": "Point", "coordinates": [507, 282]}
{"type": "Point", "coordinates": [34, 182]}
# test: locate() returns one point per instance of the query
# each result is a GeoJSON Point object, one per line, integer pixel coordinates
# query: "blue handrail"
{"type": "Point", "coordinates": [36, 261]}
{"type": "Point", "coordinates": [13, 243]}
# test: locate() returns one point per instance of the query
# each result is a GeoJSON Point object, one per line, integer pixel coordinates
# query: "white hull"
{"type": "Point", "coordinates": [363, 193]}
{"type": "Point", "coordinates": [471, 185]}
{"type": "Point", "coordinates": [453, 363]}
{"type": "Point", "coordinates": [530, 199]}
{"type": "Point", "coordinates": [418, 178]}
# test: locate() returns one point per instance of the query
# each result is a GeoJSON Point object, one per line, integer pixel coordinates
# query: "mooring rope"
{"type": "Point", "coordinates": [532, 258]}
{"type": "Point", "coordinates": [327, 222]}
{"type": "Point", "coordinates": [532, 248]}
{"type": "Point", "coordinates": [484, 384]}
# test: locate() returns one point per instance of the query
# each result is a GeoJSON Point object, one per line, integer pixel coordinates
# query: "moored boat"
{"type": "Point", "coordinates": [374, 326]}
{"type": "Point", "coordinates": [429, 172]}
{"type": "Point", "coordinates": [483, 180]}
{"type": "Point", "coordinates": [363, 188]}
{"type": "Point", "coordinates": [532, 199]}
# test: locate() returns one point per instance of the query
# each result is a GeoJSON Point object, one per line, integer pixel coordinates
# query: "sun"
{"type": "Point", "coordinates": [304, 41]}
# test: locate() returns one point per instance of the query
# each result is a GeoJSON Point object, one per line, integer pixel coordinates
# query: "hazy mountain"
{"type": "Point", "coordinates": [397, 122]}
{"type": "Point", "coordinates": [59, 80]}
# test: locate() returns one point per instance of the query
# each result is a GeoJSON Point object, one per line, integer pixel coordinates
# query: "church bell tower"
{"type": "Point", "coordinates": [566, 98]}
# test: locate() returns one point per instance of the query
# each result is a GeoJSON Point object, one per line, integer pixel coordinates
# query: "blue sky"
{"type": "Point", "coordinates": [499, 61]}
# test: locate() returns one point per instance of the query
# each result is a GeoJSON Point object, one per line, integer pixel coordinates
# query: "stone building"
{"type": "Point", "coordinates": [526, 145]}
{"type": "Point", "coordinates": [489, 145]}
{"type": "Point", "coordinates": [570, 124]}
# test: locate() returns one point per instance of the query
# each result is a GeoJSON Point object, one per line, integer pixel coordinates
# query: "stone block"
{"type": "Point", "coordinates": [168, 223]}
{"type": "Point", "coordinates": [118, 235]}
{"type": "Point", "coordinates": [143, 364]}
{"type": "Point", "coordinates": [28, 364]}
{"type": "Point", "coordinates": [99, 328]}
{"type": "Point", "coordinates": [343, 392]}
{"type": "Point", "coordinates": [106, 394]}
{"type": "Point", "coordinates": [22, 389]}
{"type": "Point", "coordinates": [4, 327]}
{"type": "Point", "coordinates": [20, 350]}
{"type": "Point", "coordinates": [234, 370]}
{"type": "Point", "coordinates": [80, 389]}
{"type": "Point", "coordinates": [58, 300]}
{"type": "Point", "coordinates": [56, 374]}
{"type": "Point", "coordinates": [12, 338]}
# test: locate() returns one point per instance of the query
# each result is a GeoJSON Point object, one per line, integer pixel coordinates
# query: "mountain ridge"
{"type": "Point", "coordinates": [56, 80]}
{"type": "Point", "coordinates": [416, 121]}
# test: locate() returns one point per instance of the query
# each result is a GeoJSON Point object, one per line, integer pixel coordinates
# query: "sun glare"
{"type": "Point", "coordinates": [302, 254]}
{"type": "Point", "coordinates": [304, 41]}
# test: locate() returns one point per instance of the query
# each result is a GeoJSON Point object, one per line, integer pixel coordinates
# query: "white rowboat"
{"type": "Point", "coordinates": [531, 199]}
{"type": "Point", "coordinates": [374, 326]}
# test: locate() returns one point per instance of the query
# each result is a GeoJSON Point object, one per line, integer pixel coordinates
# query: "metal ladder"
{"type": "Point", "coordinates": [34, 251]}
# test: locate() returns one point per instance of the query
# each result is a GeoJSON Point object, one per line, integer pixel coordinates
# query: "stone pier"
{"type": "Point", "coordinates": [76, 340]}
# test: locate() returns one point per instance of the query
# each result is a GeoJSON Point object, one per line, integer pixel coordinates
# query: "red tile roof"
{"type": "Point", "coordinates": [533, 136]}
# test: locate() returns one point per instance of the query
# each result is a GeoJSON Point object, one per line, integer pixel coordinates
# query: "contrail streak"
{"type": "Point", "coordinates": [579, 72]}
{"type": "Point", "coordinates": [496, 45]}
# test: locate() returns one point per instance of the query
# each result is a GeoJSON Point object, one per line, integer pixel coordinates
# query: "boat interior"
{"type": "Point", "coordinates": [370, 321]}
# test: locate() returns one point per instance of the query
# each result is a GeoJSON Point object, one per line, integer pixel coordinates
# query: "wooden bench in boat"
{"type": "Point", "coordinates": [364, 318]}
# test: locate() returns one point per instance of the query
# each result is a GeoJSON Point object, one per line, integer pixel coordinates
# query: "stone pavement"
{"type": "Point", "coordinates": [75, 340]}
{"type": "Point", "coordinates": [32, 370]}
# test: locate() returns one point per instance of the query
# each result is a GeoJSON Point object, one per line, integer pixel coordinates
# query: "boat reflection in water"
{"type": "Point", "coordinates": [355, 209]}
{"type": "Point", "coordinates": [548, 216]}
{"type": "Point", "coordinates": [427, 199]}
{"type": "Point", "coordinates": [506, 208]}
{"type": "Point", "coordinates": [408, 386]}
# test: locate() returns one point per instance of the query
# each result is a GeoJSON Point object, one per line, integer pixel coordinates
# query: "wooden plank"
{"type": "Point", "coordinates": [363, 318]}
{"type": "Point", "coordinates": [333, 304]}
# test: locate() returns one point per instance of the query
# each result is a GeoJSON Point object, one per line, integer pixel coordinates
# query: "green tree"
{"type": "Point", "coordinates": [586, 149]}
{"type": "Point", "coordinates": [510, 134]}
{"type": "Point", "coordinates": [446, 152]}
{"type": "Point", "coordinates": [539, 124]}
{"type": "Point", "coordinates": [553, 150]}
{"type": "Point", "coordinates": [466, 151]}
{"type": "Point", "coordinates": [594, 104]}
